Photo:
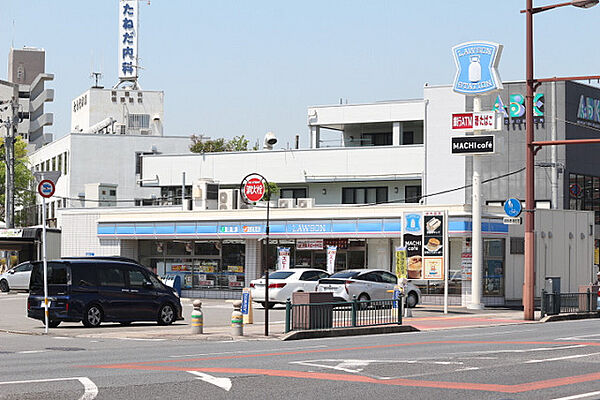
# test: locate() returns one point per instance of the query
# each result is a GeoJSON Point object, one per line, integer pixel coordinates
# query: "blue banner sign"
{"type": "Point", "coordinates": [476, 67]}
{"type": "Point", "coordinates": [245, 302]}
{"type": "Point", "coordinates": [512, 207]}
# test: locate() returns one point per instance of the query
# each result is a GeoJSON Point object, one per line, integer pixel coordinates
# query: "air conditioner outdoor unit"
{"type": "Point", "coordinates": [241, 204]}
{"type": "Point", "coordinates": [145, 132]}
{"type": "Point", "coordinates": [285, 203]}
{"type": "Point", "coordinates": [205, 195]}
{"type": "Point", "coordinates": [306, 203]}
{"type": "Point", "coordinates": [227, 199]}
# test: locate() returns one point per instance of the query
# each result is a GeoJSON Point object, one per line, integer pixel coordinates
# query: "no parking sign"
{"type": "Point", "coordinates": [46, 188]}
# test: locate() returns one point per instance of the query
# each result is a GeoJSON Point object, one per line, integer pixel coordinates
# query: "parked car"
{"type": "Point", "coordinates": [16, 278]}
{"type": "Point", "coordinates": [96, 290]}
{"type": "Point", "coordinates": [283, 283]}
{"type": "Point", "coordinates": [366, 284]}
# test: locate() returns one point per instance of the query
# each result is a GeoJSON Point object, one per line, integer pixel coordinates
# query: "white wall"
{"type": "Point", "coordinates": [393, 111]}
{"type": "Point", "coordinates": [80, 236]}
{"type": "Point", "coordinates": [443, 170]}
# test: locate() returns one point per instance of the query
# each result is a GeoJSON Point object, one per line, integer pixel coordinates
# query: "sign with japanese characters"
{"type": "Point", "coordinates": [477, 121]}
{"type": "Point", "coordinates": [128, 39]}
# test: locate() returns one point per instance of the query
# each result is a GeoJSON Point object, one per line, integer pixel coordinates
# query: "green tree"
{"type": "Point", "coordinates": [238, 143]}
{"type": "Point", "coordinates": [24, 194]}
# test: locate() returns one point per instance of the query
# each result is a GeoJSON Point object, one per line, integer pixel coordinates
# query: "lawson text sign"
{"type": "Point", "coordinates": [476, 67]}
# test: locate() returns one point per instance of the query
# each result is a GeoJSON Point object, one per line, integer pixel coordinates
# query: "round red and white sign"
{"type": "Point", "coordinates": [254, 189]}
{"type": "Point", "coordinates": [46, 188]}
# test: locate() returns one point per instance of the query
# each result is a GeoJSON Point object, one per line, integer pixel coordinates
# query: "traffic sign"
{"type": "Point", "coordinates": [468, 145]}
{"type": "Point", "coordinates": [513, 207]}
{"type": "Point", "coordinates": [254, 189]}
{"type": "Point", "coordinates": [575, 190]}
{"type": "Point", "coordinates": [46, 188]}
{"type": "Point", "coordinates": [476, 121]}
{"type": "Point", "coordinates": [512, 221]}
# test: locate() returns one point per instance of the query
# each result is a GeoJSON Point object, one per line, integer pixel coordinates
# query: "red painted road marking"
{"type": "Point", "coordinates": [518, 388]}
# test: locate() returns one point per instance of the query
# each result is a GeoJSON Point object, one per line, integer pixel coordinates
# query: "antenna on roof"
{"type": "Point", "coordinates": [96, 76]}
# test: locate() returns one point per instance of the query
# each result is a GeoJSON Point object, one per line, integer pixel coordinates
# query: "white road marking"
{"type": "Point", "coordinates": [580, 337]}
{"type": "Point", "coordinates": [90, 388]}
{"type": "Point", "coordinates": [522, 350]}
{"type": "Point", "coordinates": [353, 366]}
{"type": "Point", "coordinates": [560, 358]}
{"type": "Point", "coordinates": [61, 337]}
{"type": "Point", "coordinates": [31, 351]}
{"type": "Point", "coordinates": [249, 351]}
{"type": "Point", "coordinates": [223, 383]}
{"type": "Point", "coordinates": [578, 396]}
{"type": "Point", "coordinates": [497, 333]}
{"type": "Point", "coordinates": [142, 339]}
{"type": "Point", "coordinates": [467, 369]}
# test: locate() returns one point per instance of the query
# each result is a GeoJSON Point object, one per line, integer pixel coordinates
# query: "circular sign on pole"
{"type": "Point", "coordinates": [575, 190]}
{"type": "Point", "coordinates": [513, 207]}
{"type": "Point", "coordinates": [46, 188]}
{"type": "Point", "coordinates": [253, 188]}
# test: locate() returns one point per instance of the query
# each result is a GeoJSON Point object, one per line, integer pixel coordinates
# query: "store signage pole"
{"type": "Point", "coordinates": [476, 75]}
{"type": "Point", "coordinates": [254, 187]}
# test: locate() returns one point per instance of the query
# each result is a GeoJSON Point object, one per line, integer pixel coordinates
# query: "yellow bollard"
{"type": "Point", "coordinates": [237, 321]}
{"type": "Point", "coordinates": [197, 318]}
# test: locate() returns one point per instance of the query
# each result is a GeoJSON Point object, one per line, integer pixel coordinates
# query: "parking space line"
{"type": "Point", "coordinates": [578, 396]}
{"type": "Point", "coordinates": [560, 358]}
{"type": "Point", "coordinates": [90, 388]}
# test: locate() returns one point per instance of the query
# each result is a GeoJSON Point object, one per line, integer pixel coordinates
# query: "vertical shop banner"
{"type": "Point", "coordinates": [413, 242]}
{"type": "Point", "coordinates": [283, 259]}
{"type": "Point", "coordinates": [466, 260]}
{"type": "Point", "coordinates": [401, 271]}
{"type": "Point", "coordinates": [433, 245]}
{"type": "Point", "coordinates": [331, 251]}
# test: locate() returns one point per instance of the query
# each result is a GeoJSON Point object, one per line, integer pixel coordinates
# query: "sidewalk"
{"type": "Point", "coordinates": [217, 324]}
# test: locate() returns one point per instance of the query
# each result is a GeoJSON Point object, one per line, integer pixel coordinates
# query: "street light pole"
{"type": "Point", "coordinates": [529, 268]}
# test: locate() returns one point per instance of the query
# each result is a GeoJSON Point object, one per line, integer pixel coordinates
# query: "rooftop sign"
{"type": "Point", "coordinates": [128, 39]}
{"type": "Point", "coordinates": [476, 67]}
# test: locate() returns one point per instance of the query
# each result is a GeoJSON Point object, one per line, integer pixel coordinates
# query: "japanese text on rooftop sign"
{"type": "Point", "coordinates": [128, 39]}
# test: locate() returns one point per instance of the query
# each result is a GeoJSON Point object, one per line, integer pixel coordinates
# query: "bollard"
{"type": "Point", "coordinates": [237, 319]}
{"type": "Point", "coordinates": [197, 317]}
{"type": "Point", "coordinates": [407, 310]}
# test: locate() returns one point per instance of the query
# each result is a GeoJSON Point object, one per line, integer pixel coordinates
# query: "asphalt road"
{"type": "Point", "coordinates": [530, 361]}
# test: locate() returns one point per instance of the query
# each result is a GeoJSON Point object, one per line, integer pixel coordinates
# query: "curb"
{"type": "Point", "coordinates": [370, 330]}
{"type": "Point", "coordinates": [568, 317]}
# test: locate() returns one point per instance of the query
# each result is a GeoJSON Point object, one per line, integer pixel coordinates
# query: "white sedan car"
{"type": "Point", "coordinates": [283, 283]}
{"type": "Point", "coordinates": [366, 284]}
{"type": "Point", "coordinates": [16, 278]}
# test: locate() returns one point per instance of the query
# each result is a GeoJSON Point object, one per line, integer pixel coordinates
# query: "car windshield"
{"type": "Point", "coordinates": [280, 274]}
{"type": "Point", "coordinates": [345, 274]}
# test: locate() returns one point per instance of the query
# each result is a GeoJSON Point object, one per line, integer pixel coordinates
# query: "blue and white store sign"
{"type": "Point", "coordinates": [477, 67]}
{"type": "Point", "coordinates": [512, 207]}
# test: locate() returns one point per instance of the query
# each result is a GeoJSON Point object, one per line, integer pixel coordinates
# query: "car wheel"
{"type": "Point", "coordinates": [166, 315]}
{"type": "Point", "coordinates": [4, 286]}
{"type": "Point", "coordinates": [412, 300]}
{"type": "Point", "coordinates": [54, 323]}
{"type": "Point", "coordinates": [92, 317]}
{"type": "Point", "coordinates": [271, 304]}
{"type": "Point", "coordinates": [363, 298]}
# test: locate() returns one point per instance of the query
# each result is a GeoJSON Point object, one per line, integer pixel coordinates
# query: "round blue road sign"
{"type": "Point", "coordinates": [512, 207]}
{"type": "Point", "coordinates": [46, 188]}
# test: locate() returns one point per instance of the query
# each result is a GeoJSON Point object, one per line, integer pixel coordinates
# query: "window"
{"type": "Point", "coordinates": [377, 139]}
{"type": "Point", "coordinates": [138, 161]}
{"type": "Point", "coordinates": [296, 193]}
{"type": "Point", "coordinates": [57, 274]}
{"type": "Point", "coordinates": [517, 245]}
{"type": "Point", "coordinates": [60, 164]}
{"type": "Point", "coordinates": [310, 276]}
{"type": "Point", "coordinates": [84, 275]}
{"type": "Point", "coordinates": [137, 278]}
{"type": "Point", "coordinates": [408, 137]}
{"type": "Point", "coordinates": [364, 195]}
{"type": "Point", "coordinates": [389, 278]}
{"type": "Point", "coordinates": [113, 192]}
{"type": "Point", "coordinates": [66, 164]}
{"type": "Point", "coordinates": [111, 276]}
{"type": "Point", "coordinates": [53, 163]}
{"type": "Point", "coordinates": [412, 194]}
{"type": "Point", "coordinates": [23, 268]}
{"type": "Point", "coordinates": [137, 121]}
{"type": "Point", "coordinates": [370, 277]}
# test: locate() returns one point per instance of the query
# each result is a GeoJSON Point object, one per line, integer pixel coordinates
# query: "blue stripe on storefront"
{"type": "Point", "coordinates": [206, 228]}
{"type": "Point", "coordinates": [144, 229]}
{"type": "Point", "coordinates": [125, 230]}
{"type": "Point", "coordinates": [370, 226]}
{"type": "Point", "coordinates": [185, 229]}
{"type": "Point", "coordinates": [165, 229]}
{"type": "Point", "coordinates": [343, 227]}
{"type": "Point", "coordinates": [392, 225]}
{"type": "Point", "coordinates": [106, 229]}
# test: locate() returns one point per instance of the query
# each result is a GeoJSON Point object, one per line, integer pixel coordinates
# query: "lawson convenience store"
{"type": "Point", "coordinates": [216, 254]}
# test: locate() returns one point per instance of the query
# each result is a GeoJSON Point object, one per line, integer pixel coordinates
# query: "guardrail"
{"type": "Point", "coordinates": [356, 313]}
{"type": "Point", "coordinates": [562, 303]}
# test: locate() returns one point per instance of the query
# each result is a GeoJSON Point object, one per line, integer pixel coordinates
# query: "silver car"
{"type": "Point", "coordinates": [16, 278]}
{"type": "Point", "coordinates": [366, 284]}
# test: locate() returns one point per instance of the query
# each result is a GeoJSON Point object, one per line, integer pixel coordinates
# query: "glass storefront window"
{"type": "Point", "coordinates": [179, 247]}
{"type": "Point", "coordinates": [493, 267]}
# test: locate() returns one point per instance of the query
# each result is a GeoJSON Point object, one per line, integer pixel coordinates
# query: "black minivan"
{"type": "Point", "coordinates": [96, 290]}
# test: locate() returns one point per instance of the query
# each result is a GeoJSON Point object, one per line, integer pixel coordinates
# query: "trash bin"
{"type": "Point", "coordinates": [309, 314]}
{"type": "Point", "coordinates": [552, 287]}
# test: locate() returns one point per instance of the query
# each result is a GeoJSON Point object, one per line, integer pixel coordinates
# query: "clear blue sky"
{"type": "Point", "coordinates": [230, 68]}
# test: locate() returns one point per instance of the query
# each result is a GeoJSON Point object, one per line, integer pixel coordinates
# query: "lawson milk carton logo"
{"type": "Point", "coordinates": [476, 67]}
{"type": "Point", "coordinates": [412, 223]}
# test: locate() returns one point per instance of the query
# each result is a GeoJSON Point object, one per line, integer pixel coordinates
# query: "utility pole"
{"type": "Point", "coordinates": [9, 149]}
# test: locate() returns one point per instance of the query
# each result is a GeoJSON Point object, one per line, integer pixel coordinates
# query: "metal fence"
{"type": "Point", "coordinates": [342, 314]}
{"type": "Point", "coordinates": [564, 303]}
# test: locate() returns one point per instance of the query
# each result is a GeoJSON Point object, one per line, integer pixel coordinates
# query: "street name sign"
{"type": "Point", "coordinates": [468, 145]}
{"type": "Point", "coordinates": [476, 121]}
{"type": "Point", "coordinates": [512, 220]}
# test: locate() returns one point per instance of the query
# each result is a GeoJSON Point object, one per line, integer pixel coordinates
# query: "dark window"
{"type": "Point", "coordinates": [345, 274]}
{"type": "Point", "coordinates": [84, 275]}
{"type": "Point", "coordinates": [23, 268]}
{"type": "Point", "coordinates": [113, 192]}
{"type": "Point", "coordinates": [280, 274]}
{"type": "Point", "coordinates": [57, 274]}
{"type": "Point", "coordinates": [138, 161]}
{"type": "Point", "coordinates": [517, 245]}
{"type": "Point", "coordinates": [299, 193]}
{"type": "Point", "coordinates": [111, 276]}
{"type": "Point", "coordinates": [370, 277]}
{"type": "Point", "coordinates": [377, 139]}
{"type": "Point", "coordinates": [212, 192]}
{"type": "Point", "coordinates": [364, 195]}
{"type": "Point", "coordinates": [388, 278]}
{"type": "Point", "coordinates": [137, 278]}
{"type": "Point", "coordinates": [412, 194]}
{"type": "Point", "coordinates": [310, 276]}
{"type": "Point", "coordinates": [408, 137]}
